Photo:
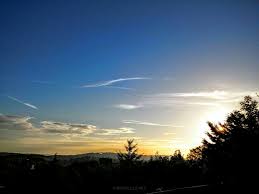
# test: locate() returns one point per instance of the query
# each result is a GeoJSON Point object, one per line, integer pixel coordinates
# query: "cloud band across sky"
{"type": "Point", "coordinates": [24, 123]}
{"type": "Point", "coordinates": [207, 98]}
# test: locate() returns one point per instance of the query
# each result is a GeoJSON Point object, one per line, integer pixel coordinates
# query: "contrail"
{"type": "Point", "coordinates": [111, 82]}
{"type": "Point", "coordinates": [24, 103]}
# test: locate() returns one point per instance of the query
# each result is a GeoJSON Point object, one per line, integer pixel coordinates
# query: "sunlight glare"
{"type": "Point", "coordinates": [215, 116]}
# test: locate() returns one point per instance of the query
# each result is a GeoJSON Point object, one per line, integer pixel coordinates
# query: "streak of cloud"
{"type": "Point", "coordinates": [119, 131]}
{"type": "Point", "coordinates": [128, 106]}
{"type": "Point", "coordinates": [208, 98]}
{"type": "Point", "coordinates": [216, 95]}
{"type": "Point", "coordinates": [134, 122]}
{"type": "Point", "coordinates": [66, 128]}
{"type": "Point", "coordinates": [21, 102]}
{"type": "Point", "coordinates": [121, 88]}
{"type": "Point", "coordinates": [111, 82]}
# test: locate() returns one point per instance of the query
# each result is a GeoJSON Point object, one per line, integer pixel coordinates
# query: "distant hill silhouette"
{"type": "Point", "coordinates": [75, 157]}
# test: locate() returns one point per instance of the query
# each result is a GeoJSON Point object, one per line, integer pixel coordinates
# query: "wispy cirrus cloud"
{"type": "Point", "coordinates": [119, 131]}
{"type": "Point", "coordinates": [134, 122]}
{"type": "Point", "coordinates": [162, 102]}
{"type": "Point", "coordinates": [111, 82]}
{"type": "Point", "coordinates": [21, 102]}
{"type": "Point", "coordinates": [203, 103]}
{"type": "Point", "coordinates": [216, 94]}
{"type": "Point", "coordinates": [66, 128]}
{"type": "Point", "coordinates": [128, 106]}
{"type": "Point", "coordinates": [121, 88]}
{"type": "Point", "coordinates": [207, 98]}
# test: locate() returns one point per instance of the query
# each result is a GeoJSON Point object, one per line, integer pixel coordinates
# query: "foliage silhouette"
{"type": "Point", "coordinates": [131, 156]}
{"type": "Point", "coordinates": [229, 150]}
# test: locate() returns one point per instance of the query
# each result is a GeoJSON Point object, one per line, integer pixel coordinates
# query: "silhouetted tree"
{"type": "Point", "coordinates": [229, 149]}
{"type": "Point", "coordinates": [177, 156]}
{"type": "Point", "coordinates": [55, 158]}
{"type": "Point", "coordinates": [195, 154]}
{"type": "Point", "coordinates": [131, 154]}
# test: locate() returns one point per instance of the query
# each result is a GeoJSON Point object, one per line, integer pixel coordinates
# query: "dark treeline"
{"type": "Point", "coordinates": [226, 161]}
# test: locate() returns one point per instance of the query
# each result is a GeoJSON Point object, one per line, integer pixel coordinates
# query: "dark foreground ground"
{"type": "Point", "coordinates": [199, 189]}
{"type": "Point", "coordinates": [39, 174]}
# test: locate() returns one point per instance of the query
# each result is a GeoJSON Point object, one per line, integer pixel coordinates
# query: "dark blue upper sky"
{"type": "Point", "coordinates": [49, 49]}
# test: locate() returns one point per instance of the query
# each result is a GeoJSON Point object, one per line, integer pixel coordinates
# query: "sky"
{"type": "Point", "coordinates": [84, 76]}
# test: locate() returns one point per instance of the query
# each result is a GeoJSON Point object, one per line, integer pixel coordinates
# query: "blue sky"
{"type": "Point", "coordinates": [193, 61]}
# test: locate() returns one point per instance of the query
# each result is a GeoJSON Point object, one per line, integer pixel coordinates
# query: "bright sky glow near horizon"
{"type": "Point", "coordinates": [84, 76]}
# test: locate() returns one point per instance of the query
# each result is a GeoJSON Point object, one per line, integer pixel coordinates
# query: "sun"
{"type": "Point", "coordinates": [218, 116]}
{"type": "Point", "coordinates": [215, 116]}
